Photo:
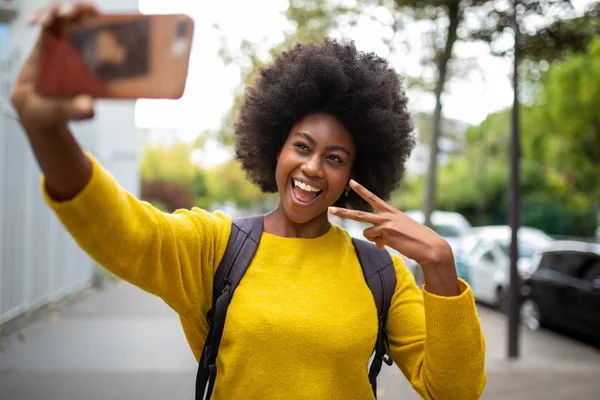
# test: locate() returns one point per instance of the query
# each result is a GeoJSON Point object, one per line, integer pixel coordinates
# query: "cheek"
{"type": "Point", "coordinates": [338, 180]}
{"type": "Point", "coordinates": [281, 170]}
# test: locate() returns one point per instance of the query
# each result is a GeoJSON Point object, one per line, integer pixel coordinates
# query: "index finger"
{"type": "Point", "coordinates": [369, 197]}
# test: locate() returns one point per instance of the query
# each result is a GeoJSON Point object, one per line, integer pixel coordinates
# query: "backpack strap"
{"type": "Point", "coordinates": [380, 275]}
{"type": "Point", "coordinates": [241, 247]}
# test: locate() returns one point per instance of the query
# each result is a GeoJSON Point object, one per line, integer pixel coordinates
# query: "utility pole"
{"type": "Point", "coordinates": [515, 287]}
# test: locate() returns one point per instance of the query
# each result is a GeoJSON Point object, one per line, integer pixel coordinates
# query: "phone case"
{"type": "Point", "coordinates": [125, 56]}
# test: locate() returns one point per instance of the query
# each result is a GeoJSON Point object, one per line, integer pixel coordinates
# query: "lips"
{"type": "Point", "coordinates": [304, 194]}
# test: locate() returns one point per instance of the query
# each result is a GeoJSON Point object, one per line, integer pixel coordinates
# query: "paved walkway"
{"type": "Point", "coordinates": [121, 343]}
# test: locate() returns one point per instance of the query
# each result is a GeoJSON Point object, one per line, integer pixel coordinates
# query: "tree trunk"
{"type": "Point", "coordinates": [443, 57]}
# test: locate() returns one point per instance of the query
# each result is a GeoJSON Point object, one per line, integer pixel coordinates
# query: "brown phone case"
{"type": "Point", "coordinates": [122, 56]}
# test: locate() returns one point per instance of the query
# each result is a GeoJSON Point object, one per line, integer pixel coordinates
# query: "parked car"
{"type": "Point", "coordinates": [355, 229]}
{"type": "Point", "coordinates": [564, 289]}
{"type": "Point", "coordinates": [452, 226]}
{"type": "Point", "coordinates": [449, 225]}
{"type": "Point", "coordinates": [485, 253]}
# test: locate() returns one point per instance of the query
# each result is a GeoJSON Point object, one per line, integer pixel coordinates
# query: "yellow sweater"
{"type": "Point", "coordinates": [302, 323]}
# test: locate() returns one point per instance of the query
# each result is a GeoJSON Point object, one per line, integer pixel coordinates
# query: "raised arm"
{"type": "Point", "coordinates": [64, 164]}
{"type": "Point", "coordinates": [170, 255]}
{"type": "Point", "coordinates": [435, 336]}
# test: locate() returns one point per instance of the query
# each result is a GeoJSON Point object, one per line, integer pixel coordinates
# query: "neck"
{"type": "Point", "coordinates": [277, 223]}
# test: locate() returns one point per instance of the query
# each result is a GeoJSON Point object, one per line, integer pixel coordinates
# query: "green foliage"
{"type": "Point", "coordinates": [560, 138]}
{"type": "Point", "coordinates": [568, 120]}
{"type": "Point", "coordinates": [228, 183]}
{"type": "Point", "coordinates": [168, 163]}
{"type": "Point", "coordinates": [170, 181]}
{"type": "Point", "coordinates": [564, 36]}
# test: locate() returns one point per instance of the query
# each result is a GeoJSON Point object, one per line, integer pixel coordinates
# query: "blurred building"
{"type": "Point", "coordinates": [39, 262]}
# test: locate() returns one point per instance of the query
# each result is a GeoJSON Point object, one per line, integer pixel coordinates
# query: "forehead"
{"type": "Point", "coordinates": [323, 127]}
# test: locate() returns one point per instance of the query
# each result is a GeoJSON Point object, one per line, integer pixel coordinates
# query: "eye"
{"type": "Point", "coordinates": [336, 159]}
{"type": "Point", "coordinates": [301, 146]}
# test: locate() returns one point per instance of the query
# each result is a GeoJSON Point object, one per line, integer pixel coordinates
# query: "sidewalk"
{"type": "Point", "coordinates": [121, 343]}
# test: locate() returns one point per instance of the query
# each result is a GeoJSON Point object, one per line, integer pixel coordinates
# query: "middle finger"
{"type": "Point", "coordinates": [356, 215]}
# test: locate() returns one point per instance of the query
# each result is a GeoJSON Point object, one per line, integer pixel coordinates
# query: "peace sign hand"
{"type": "Point", "coordinates": [395, 229]}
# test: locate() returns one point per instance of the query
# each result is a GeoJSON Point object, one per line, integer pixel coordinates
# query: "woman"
{"type": "Point", "coordinates": [302, 323]}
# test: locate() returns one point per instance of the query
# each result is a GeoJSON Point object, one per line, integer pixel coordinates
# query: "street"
{"type": "Point", "coordinates": [121, 343]}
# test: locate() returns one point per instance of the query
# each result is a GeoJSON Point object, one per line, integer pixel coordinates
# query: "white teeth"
{"type": "Point", "coordinates": [304, 186]}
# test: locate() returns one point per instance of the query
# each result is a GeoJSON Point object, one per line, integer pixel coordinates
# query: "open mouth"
{"type": "Point", "coordinates": [303, 193]}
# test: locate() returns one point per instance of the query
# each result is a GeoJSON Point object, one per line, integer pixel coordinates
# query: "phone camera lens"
{"type": "Point", "coordinates": [182, 28]}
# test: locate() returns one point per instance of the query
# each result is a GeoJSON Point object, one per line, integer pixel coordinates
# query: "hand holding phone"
{"type": "Point", "coordinates": [122, 56]}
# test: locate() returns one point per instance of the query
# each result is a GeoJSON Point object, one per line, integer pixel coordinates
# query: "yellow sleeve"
{"type": "Point", "coordinates": [436, 341]}
{"type": "Point", "coordinates": [173, 256]}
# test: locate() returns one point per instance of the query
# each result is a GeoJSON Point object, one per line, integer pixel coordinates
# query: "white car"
{"type": "Point", "coordinates": [450, 225]}
{"type": "Point", "coordinates": [486, 251]}
{"type": "Point", "coordinates": [355, 229]}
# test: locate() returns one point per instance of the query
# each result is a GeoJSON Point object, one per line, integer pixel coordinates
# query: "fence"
{"type": "Point", "coordinates": [39, 262]}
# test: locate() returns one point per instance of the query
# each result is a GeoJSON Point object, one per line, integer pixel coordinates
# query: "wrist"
{"type": "Point", "coordinates": [34, 131]}
{"type": "Point", "coordinates": [439, 272]}
{"type": "Point", "coordinates": [439, 256]}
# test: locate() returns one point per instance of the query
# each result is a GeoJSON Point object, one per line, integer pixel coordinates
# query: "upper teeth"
{"type": "Point", "coordinates": [304, 186]}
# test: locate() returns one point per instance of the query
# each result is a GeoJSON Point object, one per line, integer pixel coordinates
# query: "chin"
{"type": "Point", "coordinates": [302, 216]}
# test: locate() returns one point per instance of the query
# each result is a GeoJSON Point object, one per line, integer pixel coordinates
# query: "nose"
{"type": "Point", "coordinates": [312, 167]}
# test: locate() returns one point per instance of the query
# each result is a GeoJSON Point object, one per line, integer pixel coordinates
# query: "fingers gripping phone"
{"type": "Point", "coordinates": [125, 56]}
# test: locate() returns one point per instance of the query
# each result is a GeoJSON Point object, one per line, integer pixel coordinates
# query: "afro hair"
{"type": "Point", "coordinates": [359, 88]}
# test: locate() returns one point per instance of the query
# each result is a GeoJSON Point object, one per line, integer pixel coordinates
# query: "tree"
{"type": "Point", "coordinates": [566, 132]}
{"type": "Point", "coordinates": [552, 41]}
{"type": "Point", "coordinates": [449, 27]}
{"type": "Point", "coordinates": [171, 163]}
{"type": "Point", "coordinates": [560, 160]}
{"type": "Point", "coordinates": [316, 19]}
{"type": "Point", "coordinates": [228, 183]}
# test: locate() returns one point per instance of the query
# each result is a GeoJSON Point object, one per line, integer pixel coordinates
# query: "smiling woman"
{"type": "Point", "coordinates": [314, 167]}
{"type": "Point", "coordinates": [324, 125]}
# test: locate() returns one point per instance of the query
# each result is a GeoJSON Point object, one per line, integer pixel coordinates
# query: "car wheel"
{"type": "Point", "coordinates": [531, 317]}
{"type": "Point", "coordinates": [502, 299]}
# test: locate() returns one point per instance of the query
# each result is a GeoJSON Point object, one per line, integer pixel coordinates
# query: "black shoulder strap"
{"type": "Point", "coordinates": [241, 247]}
{"type": "Point", "coordinates": [380, 274]}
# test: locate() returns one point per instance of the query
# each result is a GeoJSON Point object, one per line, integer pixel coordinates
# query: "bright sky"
{"type": "Point", "coordinates": [210, 85]}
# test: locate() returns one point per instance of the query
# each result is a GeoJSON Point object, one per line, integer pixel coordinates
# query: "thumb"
{"type": "Point", "coordinates": [79, 108]}
{"type": "Point", "coordinates": [63, 110]}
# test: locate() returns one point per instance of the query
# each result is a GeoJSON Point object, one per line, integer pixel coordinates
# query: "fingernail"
{"type": "Point", "coordinates": [83, 103]}
{"type": "Point", "coordinates": [332, 210]}
{"type": "Point", "coordinates": [353, 183]}
{"type": "Point", "coordinates": [65, 9]}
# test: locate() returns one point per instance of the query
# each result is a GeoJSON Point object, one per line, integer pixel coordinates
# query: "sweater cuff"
{"type": "Point", "coordinates": [95, 199]}
{"type": "Point", "coordinates": [450, 313]}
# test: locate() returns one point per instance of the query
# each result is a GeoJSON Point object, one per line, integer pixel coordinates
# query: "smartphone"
{"type": "Point", "coordinates": [118, 56]}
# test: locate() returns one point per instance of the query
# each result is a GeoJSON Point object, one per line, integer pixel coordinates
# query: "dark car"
{"type": "Point", "coordinates": [564, 290]}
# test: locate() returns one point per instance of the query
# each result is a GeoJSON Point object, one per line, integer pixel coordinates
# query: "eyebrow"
{"type": "Point", "coordinates": [312, 141]}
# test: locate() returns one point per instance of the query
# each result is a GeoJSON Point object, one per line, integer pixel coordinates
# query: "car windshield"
{"type": "Point", "coordinates": [525, 251]}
